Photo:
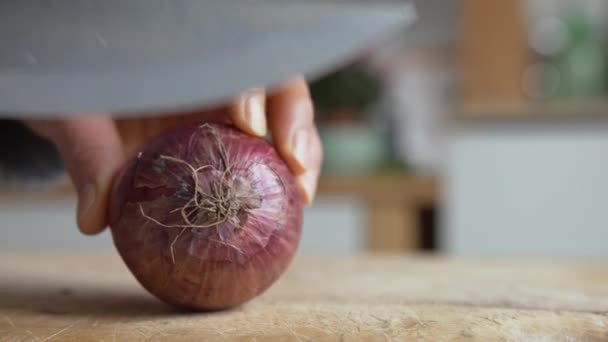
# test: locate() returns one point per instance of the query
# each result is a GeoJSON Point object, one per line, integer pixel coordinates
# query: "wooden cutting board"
{"type": "Point", "coordinates": [86, 297]}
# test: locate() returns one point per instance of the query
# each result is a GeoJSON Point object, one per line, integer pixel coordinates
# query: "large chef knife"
{"type": "Point", "coordinates": [127, 56]}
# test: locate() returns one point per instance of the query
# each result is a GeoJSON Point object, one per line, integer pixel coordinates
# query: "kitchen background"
{"type": "Point", "coordinates": [482, 130]}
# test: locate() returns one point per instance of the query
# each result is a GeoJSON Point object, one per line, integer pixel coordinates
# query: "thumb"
{"type": "Point", "coordinates": [93, 153]}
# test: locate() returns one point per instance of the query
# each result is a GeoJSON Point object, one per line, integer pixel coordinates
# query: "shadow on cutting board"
{"type": "Point", "coordinates": [61, 299]}
{"type": "Point", "coordinates": [56, 299]}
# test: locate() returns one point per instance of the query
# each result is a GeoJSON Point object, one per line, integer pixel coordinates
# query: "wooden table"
{"type": "Point", "coordinates": [86, 297]}
{"type": "Point", "coordinates": [393, 203]}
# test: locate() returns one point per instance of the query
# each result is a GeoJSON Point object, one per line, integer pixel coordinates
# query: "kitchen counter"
{"type": "Point", "coordinates": [86, 296]}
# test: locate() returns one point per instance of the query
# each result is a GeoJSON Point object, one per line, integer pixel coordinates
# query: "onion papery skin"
{"type": "Point", "coordinates": [212, 268]}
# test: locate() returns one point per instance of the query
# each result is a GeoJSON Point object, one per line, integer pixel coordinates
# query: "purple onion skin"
{"type": "Point", "coordinates": [217, 267]}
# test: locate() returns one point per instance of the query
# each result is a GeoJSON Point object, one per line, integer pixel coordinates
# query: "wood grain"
{"type": "Point", "coordinates": [86, 297]}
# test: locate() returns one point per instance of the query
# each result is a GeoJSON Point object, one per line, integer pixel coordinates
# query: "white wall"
{"type": "Point", "coordinates": [534, 189]}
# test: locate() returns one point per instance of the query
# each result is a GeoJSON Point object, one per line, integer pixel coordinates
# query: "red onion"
{"type": "Point", "coordinates": [206, 217]}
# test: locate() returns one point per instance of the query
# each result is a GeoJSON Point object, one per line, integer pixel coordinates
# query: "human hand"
{"type": "Point", "coordinates": [94, 152]}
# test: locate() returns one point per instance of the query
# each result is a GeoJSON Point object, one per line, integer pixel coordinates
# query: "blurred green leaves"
{"type": "Point", "coordinates": [354, 87]}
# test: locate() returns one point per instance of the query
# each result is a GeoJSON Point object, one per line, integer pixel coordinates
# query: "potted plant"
{"type": "Point", "coordinates": [344, 102]}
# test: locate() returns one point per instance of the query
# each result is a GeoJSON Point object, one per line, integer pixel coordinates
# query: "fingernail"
{"type": "Point", "coordinates": [308, 186]}
{"type": "Point", "coordinates": [86, 204]}
{"type": "Point", "coordinates": [255, 114]}
{"type": "Point", "coordinates": [299, 147]}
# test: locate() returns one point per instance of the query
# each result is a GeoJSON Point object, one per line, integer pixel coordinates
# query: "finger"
{"type": "Point", "coordinates": [92, 151]}
{"type": "Point", "coordinates": [248, 112]}
{"type": "Point", "coordinates": [307, 182]}
{"type": "Point", "coordinates": [291, 122]}
{"type": "Point", "coordinates": [290, 118]}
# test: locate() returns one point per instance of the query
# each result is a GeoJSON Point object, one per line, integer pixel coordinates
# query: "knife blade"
{"type": "Point", "coordinates": [140, 57]}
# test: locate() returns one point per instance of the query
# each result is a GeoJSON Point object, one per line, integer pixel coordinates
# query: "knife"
{"type": "Point", "coordinates": [141, 57]}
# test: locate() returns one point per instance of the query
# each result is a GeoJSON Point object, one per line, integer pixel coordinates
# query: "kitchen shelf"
{"type": "Point", "coordinates": [62, 190]}
{"type": "Point", "coordinates": [567, 110]}
{"type": "Point", "coordinates": [384, 187]}
{"type": "Point", "coordinates": [394, 203]}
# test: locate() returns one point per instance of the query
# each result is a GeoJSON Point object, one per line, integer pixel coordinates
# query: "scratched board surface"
{"type": "Point", "coordinates": [85, 297]}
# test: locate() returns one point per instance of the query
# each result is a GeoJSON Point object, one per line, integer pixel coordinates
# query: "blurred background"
{"type": "Point", "coordinates": [481, 131]}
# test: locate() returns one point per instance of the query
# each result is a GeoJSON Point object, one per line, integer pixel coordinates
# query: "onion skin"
{"type": "Point", "coordinates": [221, 266]}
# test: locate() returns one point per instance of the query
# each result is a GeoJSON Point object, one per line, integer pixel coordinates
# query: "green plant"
{"type": "Point", "coordinates": [354, 87]}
